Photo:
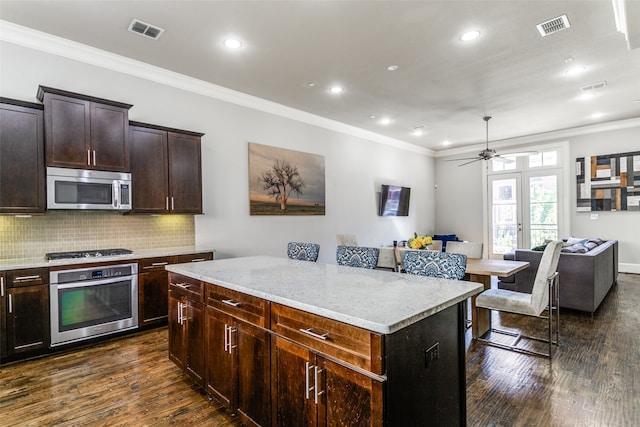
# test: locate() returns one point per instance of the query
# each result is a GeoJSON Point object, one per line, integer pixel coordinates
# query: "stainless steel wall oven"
{"type": "Point", "coordinates": [94, 301]}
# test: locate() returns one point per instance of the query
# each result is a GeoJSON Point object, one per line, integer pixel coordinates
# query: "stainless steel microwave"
{"type": "Point", "coordinates": [88, 189]}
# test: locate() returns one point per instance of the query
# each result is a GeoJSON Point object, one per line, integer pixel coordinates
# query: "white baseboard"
{"type": "Point", "coordinates": [628, 268]}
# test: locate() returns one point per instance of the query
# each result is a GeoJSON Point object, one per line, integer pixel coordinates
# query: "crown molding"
{"type": "Point", "coordinates": [513, 144]}
{"type": "Point", "coordinates": [59, 46]}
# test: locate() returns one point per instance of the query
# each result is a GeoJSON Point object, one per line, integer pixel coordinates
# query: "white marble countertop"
{"type": "Point", "coordinates": [376, 300]}
{"type": "Point", "coordinates": [13, 264]}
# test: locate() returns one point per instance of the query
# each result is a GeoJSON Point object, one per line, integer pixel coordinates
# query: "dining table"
{"type": "Point", "coordinates": [481, 270]}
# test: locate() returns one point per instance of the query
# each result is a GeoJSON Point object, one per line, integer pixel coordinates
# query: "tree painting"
{"type": "Point", "coordinates": [281, 180]}
{"type": "Point", "coordinates": [285, 182]}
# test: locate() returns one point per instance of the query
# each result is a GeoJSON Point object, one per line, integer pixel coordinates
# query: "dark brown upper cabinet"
{"type": "Point", "coordinates": [22, 170]}
{"type": "Point", "coordinates": [85, 132]}
{"type": "Point", "coordinates": [166, 170]}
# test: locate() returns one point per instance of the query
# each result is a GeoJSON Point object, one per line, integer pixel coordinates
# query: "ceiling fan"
{"type": "Point", "coordinates": [490, 154]}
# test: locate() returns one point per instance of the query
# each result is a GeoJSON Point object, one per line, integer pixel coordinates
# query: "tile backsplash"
{"type": "Point", "coordinates": [59, 231]}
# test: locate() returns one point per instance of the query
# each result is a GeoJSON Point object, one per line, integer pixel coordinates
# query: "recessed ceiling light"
{"type": "Point", "coordinates": [446, 142]}
{"type": "Point", "coordinates": [311, 84]}
{"type": "Point", "coordinates": [596, 115]}
{"type": "Point", "coordinates": [470, 35]}
{"type": "Point", "coordinates": [232, 43]}
{"type": "Point", "coordinates": [574, 71]}
{"type": "Point", "coordinates": [392, 67]}
{"type": "Point", "coordinates": [587, 96]}
{"type": "Point", "coordinates": [373, 116]}
{"type": "Point", "coordinates": [336, 89]}
{"type": "Point", "coordinates": [385, 121]}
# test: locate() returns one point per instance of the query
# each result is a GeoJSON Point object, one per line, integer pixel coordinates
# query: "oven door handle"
{"type": "Point", "coordinates": [86, 283]}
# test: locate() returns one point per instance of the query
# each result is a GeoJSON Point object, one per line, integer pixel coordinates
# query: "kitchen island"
{"type": "Point", "coordinates": [285, 342]}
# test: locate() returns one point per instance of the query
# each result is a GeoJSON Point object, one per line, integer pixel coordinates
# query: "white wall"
{"type": "Point", "coordinates": [355, 167]}
{"type": "Point", "coordinates": [459, 194]}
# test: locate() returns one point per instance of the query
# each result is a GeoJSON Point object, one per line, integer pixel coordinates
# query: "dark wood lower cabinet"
{"type": "Point", "coordinates": [311, 390]}
{"type": "Point", "coordinates": [27, 319]}
{"type": "Point", "coordinates": [153, 291]}
{"type": "Point", "coordinates": [186, 335]}
{"type": "Point", "coordinates": [238, 366]}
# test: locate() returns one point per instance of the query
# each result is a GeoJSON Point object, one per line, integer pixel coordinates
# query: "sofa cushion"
{"type": "Point", "coordinates": [576, 249]}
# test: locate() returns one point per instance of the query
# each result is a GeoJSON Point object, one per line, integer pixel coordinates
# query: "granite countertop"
{"type": "Point", "coordinates": [376, 300]}
{"type": "Point", "coordinates": [13, 264]}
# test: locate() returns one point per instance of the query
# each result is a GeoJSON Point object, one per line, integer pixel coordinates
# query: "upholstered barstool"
{"type": "Point", "coordinates": [545, 295]}
{"type": "Point", "coordinates": [357, 256]}
{"type": "Point", "coordinates": [303, 251]}
{"type": "Point", "coordinates": [435, 264]}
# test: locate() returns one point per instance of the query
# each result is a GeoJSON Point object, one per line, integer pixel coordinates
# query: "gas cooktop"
{"type": "Point", "coordinates": [86, 254]}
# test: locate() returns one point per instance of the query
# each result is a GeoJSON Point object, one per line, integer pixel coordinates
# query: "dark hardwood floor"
{"type": "Point", "coordinates": [594, 379]}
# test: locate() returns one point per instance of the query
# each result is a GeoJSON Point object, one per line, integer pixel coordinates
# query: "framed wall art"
{"type": "Point", "coordinates": [609, 182]}
{"type": "Point", "coordinates": [285, 182]}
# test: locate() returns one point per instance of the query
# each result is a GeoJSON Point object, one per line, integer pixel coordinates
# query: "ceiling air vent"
{"type": "Point", "coordinates": [145, 29]}
{"type": "Point", "coordinates": [599, 85]}
{"type": "Point", "coordinates": [553, 26]}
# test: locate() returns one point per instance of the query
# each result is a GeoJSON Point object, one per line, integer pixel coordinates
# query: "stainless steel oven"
{"type": "Point", "coordinates": [89, 302]}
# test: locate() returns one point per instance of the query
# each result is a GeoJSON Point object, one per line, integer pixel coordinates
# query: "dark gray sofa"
{"type": "Point", "coordinates": [585, 278]}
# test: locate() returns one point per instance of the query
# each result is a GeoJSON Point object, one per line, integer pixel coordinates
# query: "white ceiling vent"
{"type": "Point", "coordinates": [599, 85]}
{"type": "Point", "coordinates": [145, 29]}
{"type": "Point", "coordinates": [553, 26]}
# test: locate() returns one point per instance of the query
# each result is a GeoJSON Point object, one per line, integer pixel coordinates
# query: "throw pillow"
{"type": "Point", "coordinates": [576, 240]}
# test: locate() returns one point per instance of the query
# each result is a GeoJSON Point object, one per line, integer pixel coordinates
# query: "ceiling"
{"type": "Point", "coordinates": [509, 72]}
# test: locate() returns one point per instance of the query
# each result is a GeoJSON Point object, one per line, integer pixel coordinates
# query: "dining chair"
{"type": "Point", "coordinates": [544, 296]}
{"type": "Point", "coordinates": [357, 256]}
{"type": "Point", "coordinates": [436, 245]}
{"type": "Point", "coordinates": [303, 251]}
{"type": "Point", "coordinates": [435, 264]}
{"type": "Point", "coordinates": [346, 240]}
{"type": "Point", "coordinates": [470, 249]}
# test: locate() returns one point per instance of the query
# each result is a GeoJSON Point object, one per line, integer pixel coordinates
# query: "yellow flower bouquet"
{"type": "Point", "coordinates": [419, 242]}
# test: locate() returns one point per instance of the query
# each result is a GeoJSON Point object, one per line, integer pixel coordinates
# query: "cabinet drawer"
{"type": "Point", "coordinates": [346, 343]}
{"type": "Point", "coordinates": [187, 286]}
{"type": "Point", "coordinates": [202, 256]}
{"type": "Point", "coordinates": [153, 264]}
{"type": "Point", "coordinates": [27, 277]}
{"type": "Point", "coordinates": [242, 306]}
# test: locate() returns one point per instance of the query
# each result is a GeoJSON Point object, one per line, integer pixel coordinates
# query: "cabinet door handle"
{"type": "Point", "coordinates": [22, 278]}
{"type": "Point", "coordinates": [307, 383]}
{"type": "Point", "coordinates": [89, 157]}
{"type": "Point", "coordinates": [172, 205]}
{"type": "Point", "coordinates": [156, 264]}
{"type": "Point", "coordinates": [228, 338]}
{"type": "Point", "coordinates": [1, 286]}
{"type": "Point", "coordinates": [231, 302]}
{"type": "Point", "coordinates": [308, 331]}
{"type": "Point", "coordinates": [179, 313]}
{"type": "Point", "coordinates": [182, 285]}
{"type": "Point", "coordinates": [316, 389]}
{"type": "Point", "coordinates": [10, 305]}
{"type": "Point", "coordinates": [198, 260]}
{"type": "Point", "coordinates": [166, 203]}
{"type": "Point", "coordinates": [185, 317]}
{"type": "Point", "coordinates": [94, 157]}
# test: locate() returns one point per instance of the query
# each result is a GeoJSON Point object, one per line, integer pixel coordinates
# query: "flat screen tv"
{"type": "Point", "coordinates": [394, 200]}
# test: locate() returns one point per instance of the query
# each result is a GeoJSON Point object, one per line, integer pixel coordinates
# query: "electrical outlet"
{"type": "Point", "coordinates": [431, 354]}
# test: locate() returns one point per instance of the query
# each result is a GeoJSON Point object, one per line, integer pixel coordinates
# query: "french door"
{"type": "Point", "coordinates": [524, 209]}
